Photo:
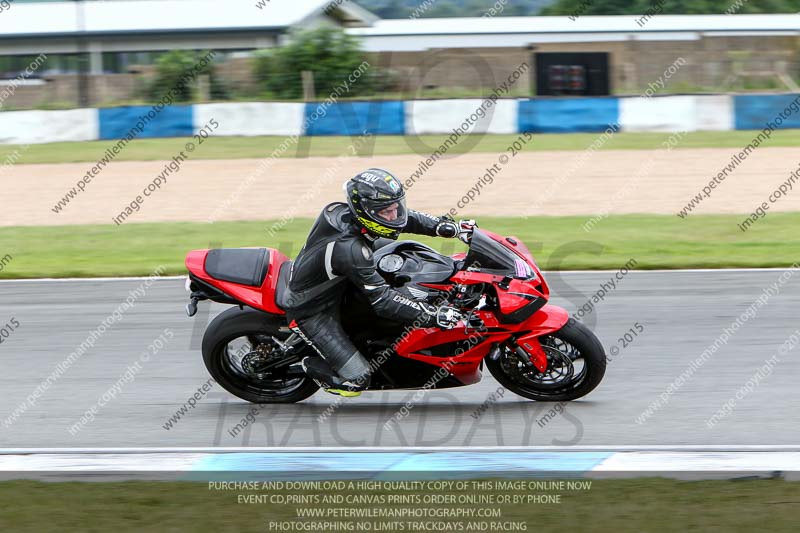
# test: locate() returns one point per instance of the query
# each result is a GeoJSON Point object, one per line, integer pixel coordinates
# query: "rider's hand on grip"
{"type": "Point", "coordinates": [447, 229]}
{"type": "Point", "coordinates": [465, 229]}
{"type": "Point", "coordinates": [445, 317]}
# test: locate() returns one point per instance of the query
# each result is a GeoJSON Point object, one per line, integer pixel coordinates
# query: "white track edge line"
{"type": "Point", "coordinates": [407, 449]}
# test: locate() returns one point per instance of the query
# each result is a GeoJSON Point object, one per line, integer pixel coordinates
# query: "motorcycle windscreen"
{"type": "Point", "coordinates": [491, 256]}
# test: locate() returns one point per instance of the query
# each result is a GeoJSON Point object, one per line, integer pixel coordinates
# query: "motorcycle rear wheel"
{"type": "Point", "coordinates": [237, 334]}
{"type": "Point", "coordinates": [576, 365]}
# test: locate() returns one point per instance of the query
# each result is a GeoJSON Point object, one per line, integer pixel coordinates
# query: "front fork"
{"type": "Point", "coordinates": [545, 321]}
{"type": "Point", "coordinates": [529, 348]}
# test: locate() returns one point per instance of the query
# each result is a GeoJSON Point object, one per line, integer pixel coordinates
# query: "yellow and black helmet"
{"type": "Point", "coordinates": [378, 202]}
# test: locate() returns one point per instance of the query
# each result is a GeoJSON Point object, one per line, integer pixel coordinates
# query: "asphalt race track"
{"type": "Point", "coordinates": [682, 313]}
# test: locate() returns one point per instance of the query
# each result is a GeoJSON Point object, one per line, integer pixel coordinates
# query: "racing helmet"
{"type": "Point", "coordinates": [378, 202]}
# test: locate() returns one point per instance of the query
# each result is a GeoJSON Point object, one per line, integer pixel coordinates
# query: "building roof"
{"type": "Point", "coordinates": [627, 23]}
{"type": "Point", "coordinates": [142, 17]}
{"type": "Point", "coordinates": [417, 34]}
{"type": "Point", "coordinates": [164, 16]}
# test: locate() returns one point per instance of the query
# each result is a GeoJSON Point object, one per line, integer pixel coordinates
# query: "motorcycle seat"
{"type": "Point", "coordinates": [246, 266]}
{"type": "Point", "coordinates": [281, 289]}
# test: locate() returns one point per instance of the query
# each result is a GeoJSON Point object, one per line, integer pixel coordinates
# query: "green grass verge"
{"type": "Point", "coordinates": [649, 504]}
{"type": "Point", "coordinates": [558, 243]}
{"type": "Point", "coordinates": [258, 147]}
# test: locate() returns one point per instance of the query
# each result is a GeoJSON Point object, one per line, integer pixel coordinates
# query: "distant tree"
{"type": "Point", "coordinates": [398, 9]}
{"type": "Point", "coordinates": [174, 74]}
{"type": "Point", "coordinates": [330, 53]}
{"type": "Point", "coordinates": [171, 68]}
{"type": "Point", "coordinates": [445, 9]}
{"type": "Point", "coordinates": [388, 9]}
{"type": "Point", "coordinates": [671, 7]}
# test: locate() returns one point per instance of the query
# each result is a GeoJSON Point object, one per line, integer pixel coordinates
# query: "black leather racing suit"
{"type": "Point", "coordinates": [336, 256]}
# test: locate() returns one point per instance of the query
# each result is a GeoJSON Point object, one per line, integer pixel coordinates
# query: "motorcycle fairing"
{"type": "Point", "coordinates": [466, 366]}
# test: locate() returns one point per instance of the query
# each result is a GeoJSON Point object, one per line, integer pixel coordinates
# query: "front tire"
{"type": "Point", "coordinates": [237, 337]}
{"type": "Point", "coordinates": [574, 354]}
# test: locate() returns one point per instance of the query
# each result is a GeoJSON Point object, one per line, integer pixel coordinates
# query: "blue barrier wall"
{"type": "Point", "coordinates": [171, 121]}
{"type": "Point", "coordinates": [535, 115]}
{"type": "Point", "coordinates": [567, 115]}
{"type": "Point", "coordinates": [752, 112]}
{"type": "Point", "coordinates": [353, 118]}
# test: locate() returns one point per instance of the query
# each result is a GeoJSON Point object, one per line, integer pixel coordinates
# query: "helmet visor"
{"type": "Point", "coordinates": [391, 213]}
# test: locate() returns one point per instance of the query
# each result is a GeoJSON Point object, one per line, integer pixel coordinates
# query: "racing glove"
{"type": "Point", "coordinates": [449, 228]}
{"type": "Point", "coordinates": [465, 229]}
{"type": "Point", "coordinates": [444, 317]}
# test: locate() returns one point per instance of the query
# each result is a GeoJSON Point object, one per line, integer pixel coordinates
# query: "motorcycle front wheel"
{"type": "Point", "coordinates": [576, 363]}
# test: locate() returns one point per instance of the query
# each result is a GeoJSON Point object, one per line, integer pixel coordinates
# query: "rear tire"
{"type": "Point", "coordinates": [247, 323]}
{"type": "Point", "coordinates": [588, 350]}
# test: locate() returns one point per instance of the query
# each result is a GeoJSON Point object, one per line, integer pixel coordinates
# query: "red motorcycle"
{"type": "Point", "coordinates": [532, 348]}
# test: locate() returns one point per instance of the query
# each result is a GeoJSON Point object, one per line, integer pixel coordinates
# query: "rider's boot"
{"type": "Point", "coordinates": [320, 371]}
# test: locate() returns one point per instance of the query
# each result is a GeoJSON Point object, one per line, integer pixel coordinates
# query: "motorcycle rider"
{"type": "Point", "coordinates": [338, 254]}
